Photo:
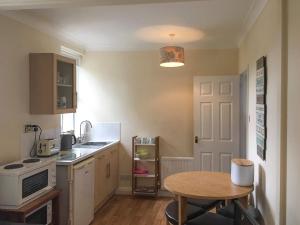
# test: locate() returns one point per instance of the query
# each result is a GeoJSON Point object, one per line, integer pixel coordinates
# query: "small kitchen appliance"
{"type": "Point", "coordinates": [67, 141]}
{"type": "Point", "coordinates": [25, 180]}
{"type": "Point", "coordinates": [47, 147]}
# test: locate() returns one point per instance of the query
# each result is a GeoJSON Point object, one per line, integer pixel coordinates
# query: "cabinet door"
{"type": "Point", "coordinates": [83, 192]}
{"type": "Point", "coordinates": [65, 85]}
{"type": "Point", "coordinates": [100, 178]}
{"type": "Point", "coordinates": [113, 169]}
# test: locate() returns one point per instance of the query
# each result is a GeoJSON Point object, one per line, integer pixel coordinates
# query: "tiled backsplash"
{"type": "Point", "coordinates": [99, 132]}
{"type": "Point", "coordinates": [105, 132]}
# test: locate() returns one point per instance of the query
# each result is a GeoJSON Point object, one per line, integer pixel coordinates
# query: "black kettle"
{"type": "Point", "coordinates": [66, 141]}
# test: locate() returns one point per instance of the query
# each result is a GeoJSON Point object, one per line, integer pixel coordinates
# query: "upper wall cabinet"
{"type": "Point", "coordinates": [52, 84]}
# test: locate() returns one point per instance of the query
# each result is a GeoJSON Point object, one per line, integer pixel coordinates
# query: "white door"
{"type": "Point", "coordinates": [216, 121]}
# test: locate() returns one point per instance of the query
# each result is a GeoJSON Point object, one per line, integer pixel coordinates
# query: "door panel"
{"type": "Point", "coordinates": [225, 88]}
{"type": "Point", "coordinates": [216, 105]}
{"type": "Point", "coordinates": [206, 89]}
{"type": "Point", "coordinates": [225, 121]}
{"type": "Point", "coordinates": [225, 162]}
{"type": "Point", "coordinates": [206, 115]}
{"type": "Point", "coordinates": [207, 161]}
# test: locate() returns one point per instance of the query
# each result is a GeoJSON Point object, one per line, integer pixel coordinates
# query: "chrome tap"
{"type": "Point", "coordinates": [81, 138]}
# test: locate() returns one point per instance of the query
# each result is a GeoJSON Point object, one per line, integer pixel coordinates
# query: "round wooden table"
{"type": "Point", "coordinates": [203, 185]}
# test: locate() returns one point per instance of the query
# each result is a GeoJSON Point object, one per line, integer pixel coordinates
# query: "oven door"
{"type": "Point", "coordinates": [41, 215]}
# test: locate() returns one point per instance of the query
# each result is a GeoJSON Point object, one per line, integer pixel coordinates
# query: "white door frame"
{"type": "Point", "coordinates": [244, 118]}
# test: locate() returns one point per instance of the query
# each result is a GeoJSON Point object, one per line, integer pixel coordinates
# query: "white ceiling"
{"type": "Point", "coordinates": [102, 26]}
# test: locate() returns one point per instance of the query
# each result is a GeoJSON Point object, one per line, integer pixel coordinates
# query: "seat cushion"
{"type": "Point", "coordinates": [203, 203]}
{"type": "Point", "coordinates": [191, 212]}
{"type": "Point", "coordinates": [227, 211]}
{"type": "Point", "coordinates": [211, 219]}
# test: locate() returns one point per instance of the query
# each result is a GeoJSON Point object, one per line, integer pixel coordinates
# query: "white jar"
{"type": "Point", "coordinates": [242, 172]}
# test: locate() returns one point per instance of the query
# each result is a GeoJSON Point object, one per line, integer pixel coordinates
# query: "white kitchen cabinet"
{"type": "Point", "coordinates": [76, 183]}
{"type": "Point", "coordinates": [83, 192]}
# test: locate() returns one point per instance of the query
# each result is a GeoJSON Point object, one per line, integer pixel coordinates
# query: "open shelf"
{"type": "Point", "coordinates": [144, 160]}
{"type": "Point", "coordinates": [145, 191]}
{"type": "Point", "coordinates": [144, 175]}
{"type": "Point", "coordinates": [145, 156]}
{"type": "Point", "coordinates": [64, 85]}
{"type": "Point", "coordinates": [145, 144]}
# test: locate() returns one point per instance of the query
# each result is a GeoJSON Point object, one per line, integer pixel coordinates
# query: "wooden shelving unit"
{"type": "Point", "coordinates": [147, 183]}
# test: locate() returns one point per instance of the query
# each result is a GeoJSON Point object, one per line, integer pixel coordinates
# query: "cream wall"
{"type": "Point", "coordinates": [293, 132]}
{"type": "Point", "coordinates": [131, 88]}
{"type": "Point", "coordinates": [265, 39]}
{"type": "Point", "coordinates": [16, 42]}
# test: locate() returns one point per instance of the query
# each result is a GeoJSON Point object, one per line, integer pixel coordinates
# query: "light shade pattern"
{"type": "Point", "coordinates": [171, 56]}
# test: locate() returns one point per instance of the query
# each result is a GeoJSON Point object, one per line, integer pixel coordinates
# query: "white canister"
{"type": "Point", "coordinates": [242, 172]}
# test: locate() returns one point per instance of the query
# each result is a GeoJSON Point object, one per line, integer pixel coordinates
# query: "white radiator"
{"type": "Point", "coordinates": [171, 165]}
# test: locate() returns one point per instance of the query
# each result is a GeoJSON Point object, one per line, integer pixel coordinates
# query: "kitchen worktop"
{"type": "Point", "coordinates": [80, 153]}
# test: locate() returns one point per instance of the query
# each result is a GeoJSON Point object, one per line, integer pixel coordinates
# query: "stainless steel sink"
{"type": "Point", "coordinates": [70, 155]}
{"type": "Point", "coordinates": [92, 144]}
{"type": "Point", "coordinates": [101, 143]}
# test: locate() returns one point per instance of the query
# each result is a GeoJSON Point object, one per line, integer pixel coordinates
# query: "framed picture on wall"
{"type": "Point", "coordinates": [261, 107]}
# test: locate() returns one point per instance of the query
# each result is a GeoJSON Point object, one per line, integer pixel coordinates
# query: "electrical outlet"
{"type": "Point", "coordinates": [30, 128]}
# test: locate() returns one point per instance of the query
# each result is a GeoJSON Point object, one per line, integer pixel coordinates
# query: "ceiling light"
{"type": "Point", "coordinates": [171, 56]}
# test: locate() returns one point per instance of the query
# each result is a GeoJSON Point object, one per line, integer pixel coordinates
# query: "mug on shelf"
{"type": "Point", "coordinates": [152, 141]}
{"type": "Point", "coordinates": [137, 140]}
{"type": "Point", "coordinates": [145, 140]}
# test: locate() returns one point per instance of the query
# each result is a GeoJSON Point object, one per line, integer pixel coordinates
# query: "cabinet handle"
{"type": "Point", "coordinates": [196, 139]}
{"type": "Point", "coordinates": [109, 169]}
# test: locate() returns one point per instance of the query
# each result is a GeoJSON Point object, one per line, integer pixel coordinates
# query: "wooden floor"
{"type": "Point", "coordinates": [127, 210]}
